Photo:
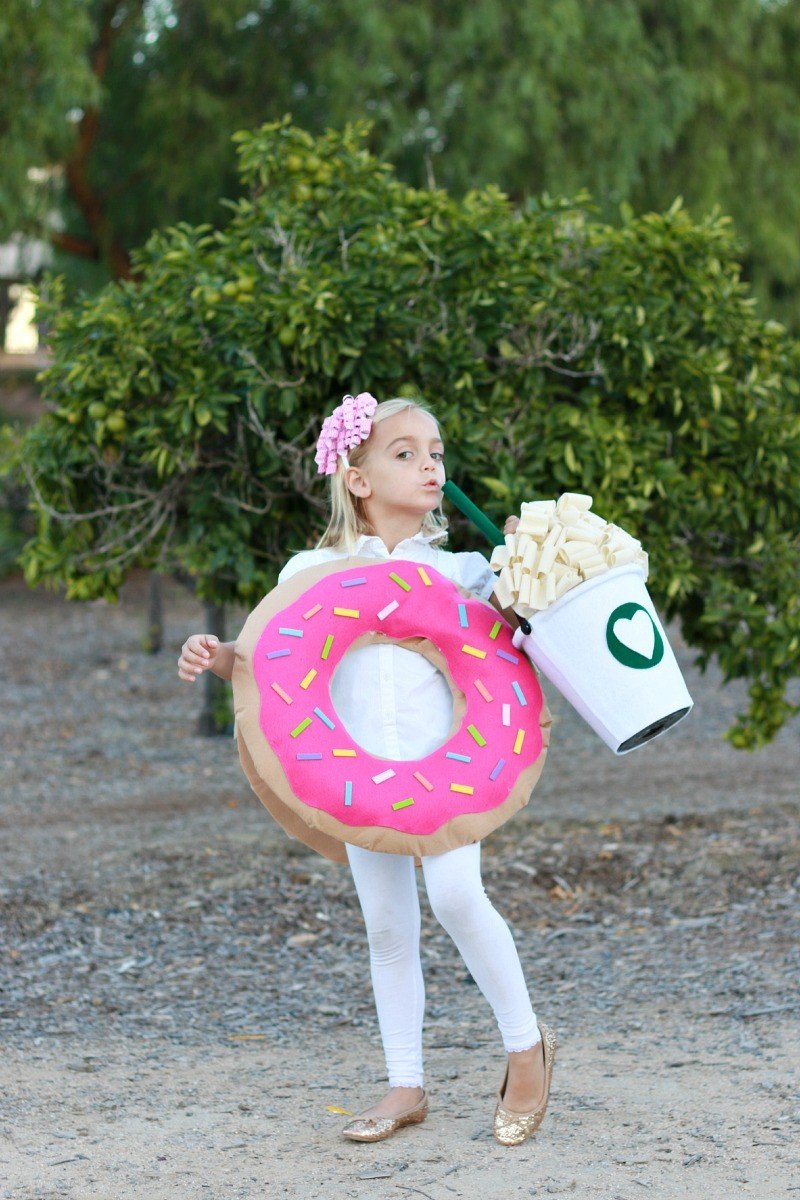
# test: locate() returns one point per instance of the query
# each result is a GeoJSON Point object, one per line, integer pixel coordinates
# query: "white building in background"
{"type": "Point", "coordinates": [21, 260]}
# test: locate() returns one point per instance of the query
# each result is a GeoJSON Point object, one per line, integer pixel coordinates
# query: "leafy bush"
{"type": "Point", "coordinates": [559, 353]}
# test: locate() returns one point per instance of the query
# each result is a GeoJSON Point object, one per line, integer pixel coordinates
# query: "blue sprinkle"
{"type": "Point", "coordinates": [353, 582]}
{"type": "Point", "coordinates": [278, 653]}
{"type": "Point", "coordinates": [309, 756]}
{"type": "Point", "coordinates": [348, 793]}
{"type": "Point", "coordinates": [459, 757]}
{"type": "Point", "coordinates": [462, 616]}
{"type": "Point", "coordinates": [322, 717]}
{"type": "Point", "coordinates": [501, 762]}
{"type": "Point", "coordinates": [520, 695]}
{"type": "Point", "coordinates": [290, 632]}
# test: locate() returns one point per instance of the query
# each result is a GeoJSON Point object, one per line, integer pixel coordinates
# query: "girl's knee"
{"type": "Point", "coordinates": [459, 905]}
{"type": "Point", "coordinates": [389, 935]}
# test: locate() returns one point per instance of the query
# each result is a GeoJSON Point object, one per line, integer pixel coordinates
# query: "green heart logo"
{"type": "Point", "coordinates": [632, 637]}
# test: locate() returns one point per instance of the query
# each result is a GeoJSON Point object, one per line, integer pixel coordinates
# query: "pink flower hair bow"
{"type": "Point", "coordinates": [346, 427]}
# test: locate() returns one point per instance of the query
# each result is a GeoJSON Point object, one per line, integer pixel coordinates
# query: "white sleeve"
{"type": "Point", "coordinates": [305, 558]}
{"type": "Point", "coordinates": [475, 573]}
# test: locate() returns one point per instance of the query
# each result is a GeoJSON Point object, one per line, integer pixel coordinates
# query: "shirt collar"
{"type": "Point", "coordinates": [371, 538]}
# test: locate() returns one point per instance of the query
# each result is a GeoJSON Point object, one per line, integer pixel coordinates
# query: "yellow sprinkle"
{"type": "Point", "coordinates": [344, 754]}
{"type": "Point", "coordinates": [346, 612]}
{"type": "Point", "coordinates": [423, 574]}
{"type": "Point", "coordinates": [473, 650]}
{"type": "Point", "coordinates": [305, 682]}
{"type": "Point", "coordinates": [462, 787]}
{"type": "Point", "coordinates": [518, 740]}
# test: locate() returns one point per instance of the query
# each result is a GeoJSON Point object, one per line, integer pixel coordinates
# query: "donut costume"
{"type": "Point", "coordinates": [321, 785]}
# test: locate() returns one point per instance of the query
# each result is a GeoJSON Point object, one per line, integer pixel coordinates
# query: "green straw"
{"type": "Point", "coordinates": [464, 504]}
{"type": "Point", "coordinates": [488, 529]}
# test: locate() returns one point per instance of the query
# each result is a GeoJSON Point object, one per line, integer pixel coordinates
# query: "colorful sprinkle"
{"type": "Point", "coordinates": [426, 783]}
{"type": "Point", "coordinates": [482, 689]}
{"type": "Point", "coordinates": [344, 754]}
{"type": "Point", "coordinates": [520, 693]}
{"type": "Point", "coordinates": [506, 714]}
{"type": "Point", "coordinates": [389, 609]}
{"type": "Point", "coordinates": [458, 757]}
{"type": "Point", "coordinates": [462, 787]}
{"type": "Point", "coordinates": [348, 792]}
{"type": "Point", "coordinates": [346, 612]}
{"type": "Point", "coordinates": [518, 740]}
{"type": "Point", "coordinates": [493, 632]}
{"type": "Point", "coordinates": [462, 616]}
{"type": "Point", "coordinates": [304, 724]}
{"type": "Point", "coordinates": [403, 803]}
{"type": "Point", "coordinates": [276, 687]}
{"type": "Point", "coordinates": [397, 579]}
{"type": "Point", "coordinates": [311, 611]}
{"type": "Point", "coordinates": [383, 777]}
{"type": "Point", "coordinates": [497, 768]}
{"type": "Point", "coordinates": [474, 651]}
{"type": "Point", "coordinates": [326, 649]}
{"type": "Point", "coordinates": [354, 582]}
{"type": "Point", "coordinates": [423, 574]}
{"type": "Point", "coordinates": [319, 713]}
{"type": "Point", "coordinates": [290, 632]}
{"type": "Point", "coordinates": [512, 658]}
{"type": "Point", "coordinates": [478, 737]}
{"type": "Point", "coordinates": [278, 653]}
{"type": "Point", "coordinates": [314, 755]}
{"type": "Point", "coordinates": [305, 682]}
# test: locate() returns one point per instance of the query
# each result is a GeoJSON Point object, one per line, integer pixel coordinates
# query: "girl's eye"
{"type": "Point", "coordinates": [435, 453]}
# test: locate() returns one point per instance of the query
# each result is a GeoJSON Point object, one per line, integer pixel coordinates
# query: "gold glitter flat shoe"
{"type": "Point", "coordinates": [374, 1129]}
{"type": "Point", "coordinates": [511, 1128]}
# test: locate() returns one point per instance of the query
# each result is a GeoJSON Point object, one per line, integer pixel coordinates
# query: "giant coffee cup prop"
{"type": "Point", "coordinates": [577, 583]}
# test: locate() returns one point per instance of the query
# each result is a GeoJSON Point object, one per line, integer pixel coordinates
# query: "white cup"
{"type": "Point", "coordinates": [604, 648]}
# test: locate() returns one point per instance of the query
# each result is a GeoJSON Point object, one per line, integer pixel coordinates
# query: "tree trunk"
{"type": "Point", "coordinates": [214, 717]}
{"type": "Point", "coordinates": [154, 634]}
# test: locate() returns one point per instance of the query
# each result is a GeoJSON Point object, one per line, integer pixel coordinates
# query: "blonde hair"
{"type": "Point", "coordinates": [348, 519]}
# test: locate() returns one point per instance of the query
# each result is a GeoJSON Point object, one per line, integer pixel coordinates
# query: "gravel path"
{"type": "Point", "coordinates": [186, 994]}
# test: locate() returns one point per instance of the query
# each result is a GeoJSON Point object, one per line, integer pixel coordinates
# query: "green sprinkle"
{"type": "Point", "coordinates": [495, 630]}
{"type": "Point", "coordinates": [303, 725]}
{"type": "Point", "coordinates": [478, 738]}
{"type": "Point", "coordinates": [403, 803]}
{"type": "Point", "coordinates": [405, 586]}
{"type": "Point", "coordinates": [326, 649]}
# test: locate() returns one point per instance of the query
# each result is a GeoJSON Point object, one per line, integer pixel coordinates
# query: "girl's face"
{"type": "Point", "coordinates": [403, 467]}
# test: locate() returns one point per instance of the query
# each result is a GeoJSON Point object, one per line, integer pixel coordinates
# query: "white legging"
{"type": "Point", "coordinates": [387, 891]}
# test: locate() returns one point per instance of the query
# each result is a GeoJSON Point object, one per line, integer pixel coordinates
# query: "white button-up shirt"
{"type": "Point", "coordinates": [394, 702]}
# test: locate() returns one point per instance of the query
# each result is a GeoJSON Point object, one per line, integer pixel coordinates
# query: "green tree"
{"type": "Point", "coordinates": [636, 102]}
{"type": "Point", "coordinates": [559, 352]}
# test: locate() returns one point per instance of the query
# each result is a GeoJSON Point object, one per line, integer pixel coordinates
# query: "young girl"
{"type": "Point", "coordinates": [387, 467]}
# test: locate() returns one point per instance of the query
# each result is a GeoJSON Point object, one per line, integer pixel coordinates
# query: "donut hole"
{"type": "Point", "coordinates": [425, 716]}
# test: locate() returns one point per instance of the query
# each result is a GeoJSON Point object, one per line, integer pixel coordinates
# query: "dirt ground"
{"type": "Point", "coordinates": [186, 1008]}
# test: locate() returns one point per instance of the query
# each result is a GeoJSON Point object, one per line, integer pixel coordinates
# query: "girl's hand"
{"type": "Point", "coordinates": [197, 655]}
{"type": "Point", "coordinates": [511, 524]}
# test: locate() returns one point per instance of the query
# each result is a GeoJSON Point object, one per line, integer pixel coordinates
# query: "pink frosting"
{"type": "Point", "coordinates": [434, 611]}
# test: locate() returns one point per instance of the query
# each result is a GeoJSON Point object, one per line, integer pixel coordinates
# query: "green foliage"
{"type": "Point", "coordinates": [558, 352]}
{"type": "Point", "coordinates": [683, 97]}
{"type": "Point", "coordinates": [16, 525]}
